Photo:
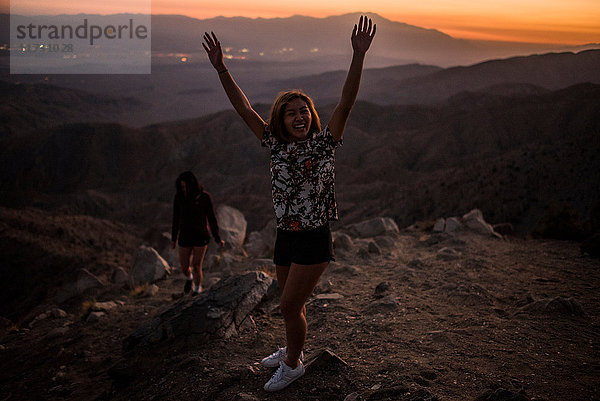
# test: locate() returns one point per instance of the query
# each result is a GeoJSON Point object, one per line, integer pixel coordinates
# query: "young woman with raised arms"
{"type": "Point", "coordinates": [302, 179]}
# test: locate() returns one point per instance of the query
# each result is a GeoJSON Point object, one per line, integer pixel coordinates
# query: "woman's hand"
{"type": "Point", "coordinates": [213, 49]}
{"type": "Point", "coordinates": [362, 36]}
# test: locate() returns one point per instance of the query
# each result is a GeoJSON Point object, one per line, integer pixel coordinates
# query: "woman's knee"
{"type": "Point", "coordinates": [291, 310]}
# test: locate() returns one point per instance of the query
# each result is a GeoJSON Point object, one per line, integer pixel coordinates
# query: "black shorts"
{"type": "Point", "coordinates": [307, 247]}
{"type": "Point", "coordinates": [188, 238]}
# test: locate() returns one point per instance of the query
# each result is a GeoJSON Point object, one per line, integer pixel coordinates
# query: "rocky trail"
{"type": "Point", "coordinates": [407, 314]}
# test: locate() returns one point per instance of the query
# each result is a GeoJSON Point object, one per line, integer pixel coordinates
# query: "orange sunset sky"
{"type": "Point", "coordinates": [542, 21]}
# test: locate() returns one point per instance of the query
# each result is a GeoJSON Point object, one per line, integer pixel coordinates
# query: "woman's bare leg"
{"type": "Point", "coordinates": [185, 252]}
{"type": "Point", "coordinates": [299, 283]}
{"type": "Point", "coordinates": [197, 261]}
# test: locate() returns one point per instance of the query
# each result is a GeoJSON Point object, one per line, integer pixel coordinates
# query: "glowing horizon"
{"type": "Point", "coordinates": [537, 21]}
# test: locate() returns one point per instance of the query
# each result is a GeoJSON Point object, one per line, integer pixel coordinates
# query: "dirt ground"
{"type": "Point", "coordinates": [411, 324]}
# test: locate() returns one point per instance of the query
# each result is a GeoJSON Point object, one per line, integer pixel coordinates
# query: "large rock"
{"type": "Point", "coordinates": [232, 226]}
{"type": "Point", "coordinates": [257, 247]}
{"type": "Point", "coordinates": [148, 266]}
{"type": "Point", "coordinates": [86, 280]}
{"type": "Point", "coordinates": [475, 221]}
{"type": "Point", "coordinates": [218, 313]}
{"type": "Point", "coordinates": [374, 227]}
{"type": "Point", "coordinates": [343, 242]}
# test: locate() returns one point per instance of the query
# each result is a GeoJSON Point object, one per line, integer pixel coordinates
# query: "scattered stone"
{"type": "Point", "coordinates": [324, 360]}
{"type": "Point", "coordinates": [558, 305]}
{"type": "Point", "coordinates": [329, 296]}
{"type": "Point", "coordinates": [244, 397]}
{"type": "Point", "coordinates": [501, 395]}
{"type": "Point", "coordinates": [56, 332]}
{"type": "Point", "coordinates": [475, 221]}
{"type": "Point", "coordinates": [57, 313]}
{"type": "Point", "coordinates": [324, 287]}
{"type": "Point", "coordinates": [352, 397]}
{"type": "Point", "coordinates": [257, 247]}
{"type": "Point", "coordinates": [148, 267]}
{"type": "Point", "coordinates": [452, 224]}
{"type": "Point", "coordinates": [218, 313]}
{"type": "Point", "coordinates": [381, 289]}
{"type": "Point", "coordinates": [38, 318]}
{"type": "Point", "coordinates": [439, 226]}
{"type": "Point", "coordinates": [343, 242]}
{"type": "Point", "coordinates": [448, 254]}
{"type": "Point", "coordinates": [212, 262]}
{"type": "Point", "coordinates": [104, 306]}
{"type": "Point", "coordinates": [86, 281]}
{"type": "Point", "coordinates": [269, 232]}
{"type": "Point", "coordinates": [151, 290]}
{"type": "Point", "coordinates": [94, 317]}
{"type": "Point", "coordinates": [374, 248]}
{"type": "Point", "coordinates": [419, 395]}
{"type": "Point", "coordinates": [374, 227]}
{"type": "Point", "coordinates": [386, 303]}
{"type": "Point", "coordinates": [232, 226]}
{"type": "Point", "coordinates": [119, 276]}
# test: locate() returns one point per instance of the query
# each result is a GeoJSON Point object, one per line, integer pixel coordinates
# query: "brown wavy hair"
{"type": "Point", "coordinates": [278, 110]}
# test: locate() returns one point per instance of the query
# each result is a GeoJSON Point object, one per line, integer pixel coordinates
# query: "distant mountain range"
{"type": "Point", "coordinates": [325, 42]}
{"type": "Point", "coordinates": [175, 92]}
{"type": "Point", "coordinates": [516, 151]}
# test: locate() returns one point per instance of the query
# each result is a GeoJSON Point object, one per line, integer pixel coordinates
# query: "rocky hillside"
{"type": "Point", "coordinates": [401, 314]}
{"type": "Point", "coordinates": [515, 154]}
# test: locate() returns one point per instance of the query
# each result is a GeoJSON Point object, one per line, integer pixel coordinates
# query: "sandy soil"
{"type": "Point", "coordinates": [437, 329]}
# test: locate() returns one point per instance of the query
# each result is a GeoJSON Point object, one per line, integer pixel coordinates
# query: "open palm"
{"type": "Point", "coordinates": [213, 49]}
{"type": "Point", "coordinates": [363, 34]}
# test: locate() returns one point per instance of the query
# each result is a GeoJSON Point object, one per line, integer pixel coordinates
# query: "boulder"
{"type": "Point", "coordinates": [373, 248]}
{"type": "Point", "coordinates": [148, 266]}
{"type": "Point", "coordinates": [452, 224]}
{"type": "Point", "coordinates": [232, 226]}
{"type": "Point", "coordinates": [269, 232]}
{"type": "Point", "coordinates": [385, 242]}
{"type": "Point", "coordinates": [119, 276]}
{"type": "Point", "coordinates": [342, 242]}
{"type": "Point", "coordinates": [439, 226]}
{"type": "Point", "coordinates": [257, 247]}
{"type": "Point", "coordinates": [475, 221]}
{"type": "Point", "coordinates": [86, 281]}
{"type": "Point", "coordinates": [447, 253]}
{"type": "Point", "coordinates": [169, 254]}
{"type": "Point", "coordinates": [554, 306]}
{"type": "Point", "coordinates": [216, 313]}
{"type": "Point", "coordinates": [374, 227]}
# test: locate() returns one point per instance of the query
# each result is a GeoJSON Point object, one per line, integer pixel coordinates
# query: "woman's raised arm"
{"type": "Point", "coordinates": [238, 99]}
{"type": "Point", "coordinates": [362, 36]}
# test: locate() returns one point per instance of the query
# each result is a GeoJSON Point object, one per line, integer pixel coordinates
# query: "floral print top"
{"type": "Point", "coordinates": [302, 180]}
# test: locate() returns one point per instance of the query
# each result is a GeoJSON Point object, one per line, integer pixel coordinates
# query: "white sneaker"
{"type": "Point", "coordinates": [272, 361]}
{"type": "Point", "coordinates": [284, 376]}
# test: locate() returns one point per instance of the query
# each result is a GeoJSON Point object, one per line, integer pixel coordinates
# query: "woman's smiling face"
{"type": "Point", "coordinates": [297, 119]}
